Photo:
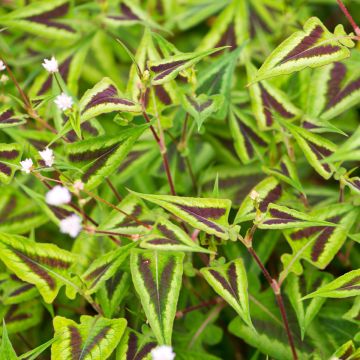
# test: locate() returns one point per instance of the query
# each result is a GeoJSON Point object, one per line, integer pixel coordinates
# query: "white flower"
{"type": "Point", "coordinates": [26, 165]}
{"type": "Point", "coordinates": [71, 225]}
{"type": "Point", "coordinates": [163, 352]}
{"type": "Point", "coordinates": [48, 156]}
{"type": "Point", "coordinates": [254, 195]}
{"type": "Point", "coordinates": [63, 101]}
{"type": "Point", "coordinates": [2, 65]}
{"type": "Point", "coordinates": [78, 185]}
{"type": "Point", "coordinates": [51, 65]}
{"type": "Point", "coordinates": [58, 195]}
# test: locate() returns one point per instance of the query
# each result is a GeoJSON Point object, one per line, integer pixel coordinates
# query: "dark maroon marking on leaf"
{"type": "Point", "coordinates": [5, 169]}
{"type": "Point", "coordinates": [47, 18]}
{"type": "Point", "coordinates": [232, 276]}
{"type": "Point", "coordinates": [284, 169]}
{"type": "Point", "coordinates": [163, 241]}
{"type": "Point", "coordinates": [64, 72]}
{"type": "Point", "coordinates": [322, 239]}
{"type": "Point", "coordinates": [111, 283]}
{"type": "Point", "coordinates": [317, 51]}
{"type": "Point", "coordinates": [309, 126]}
{"type": "Point", "coordinates": [59, 212]}
{"type": "Point", "coordinates": [165, 281]}
{"type": "Point", "coordinates": [167, 232]}
{"type": "Point", "coordinates": [127, 221]}
{"type": "Point", "coordinates": [305, 44]}
{"type": "Point", "coordinates": [38, 144]}
{"type": "Point", "coordinates": [6, 117]}
{"type": "Point", "coordinates": [96, 274]}
{"type": "Point", "coordinates": [162, 94]}
{"type": "Point", "coordinates": [279, 217]}
{"type": "Point", "coordinates": [145, 350]}
{"type": "Point", "coordinates": [355, 183]}
{"type": "Point", "coordinates": [86, 126]}
{"type": "Point", "coordinates": [75, 342]}
{"type": "Point", "coordinates": [353, 284]}
{"type": "Point", "coordinates": [320, 153]}
{"type": "Point", "coordinates": [96, 340]}
{"type": "Point", "coordinates": [9, 154]}
{"type": "Point", "coordinates": [257, 21]}
{"type": "Point", "coordinates": [347, 353]}
{"type": "Point", "coordinates": [272, 196]}
{"type": "Point", "coordinates": [132, 346]}
{"type": "Point", "coordinates": [132, 156]}
{"type": "Point", "coordinates": [21, 217]}
{"type": "Point", "coordinates": [269, 103]}
{"type": "Point", "coordinates": [228, 38]}
{"type": "Point", "coordinates": [11, 315]}
{"type": "Point", "coordinates": [203, 214]}
{"type": "Point", "coordinates": [21, 289]}
{"type": "Point", "coordinates": [108, 95]}
{"type": "Point", "coordinates": [89, 155]}
{"type": "Point", "coordinates": [164, 69]}
{"type": "Point", "coordinates": [127, 14]}
{"type": "Point", "coordinates": [8, 208]}
{"type": "Point", "coordinates": [199, 107]}
{"type": "Point", "coordinates": [224, 282]}
{"type": "Point", "coordinates": [305, 233]}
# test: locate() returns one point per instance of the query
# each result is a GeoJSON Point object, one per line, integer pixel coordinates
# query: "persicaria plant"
{"type": "Point", "coordinates": [179, 179]}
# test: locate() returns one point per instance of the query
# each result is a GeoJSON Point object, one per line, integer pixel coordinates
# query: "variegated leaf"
{"type": "Point", "coordinates": [157, 280]}
{"type": "Point", "coordinates": [15, 291]}
{"type": "Point", "coordinates": [353, 183]}
{"type": "Point", "coordinates": [104, 98]}
{"type": "Point", "coordinates": [44, 265]}
{"type": "Point", "coordinates": [313, 46]}
{"type": "Point", "coordinates": [282, 217]}
{"type": "Point", "coordinates": [10, 155]}
{"type": "Point", "coordinates": [319, 244]}
{"type": "Point", "coordinates": [169, 68]}
{"type": "Point", "coordinates": [42, 18]}
{"type": "Point", "coordinates": [93, 338]}
{"type": "Point", "coordinates": [268, 102]}
{"type": "Point", "coordinates": [344, 286]}
{"type": "Point", "coordinates": [347, 351]}
{"type": "Point", "coordinates": [104, 267]}
{"type": "Point", "coordinates": [209, 215]}
{"type": "Point", "coordinates": [167, 236]}
{"type": "Point", "coordinates": [269, 190]}
{"type": "Point", "coordinates": [8, 118]}
{"type": "Point", "coordinates": [99, 157]}
{"type": "Point", "coordinates": [230, 282]}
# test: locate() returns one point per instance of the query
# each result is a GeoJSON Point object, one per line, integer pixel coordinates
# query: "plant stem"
{"type": "Point", "coordinates": [217, 300]}
{"type": "Point", "coordinates": [113, 189]}
{"type": "Point", "coordinates": [349, 17]}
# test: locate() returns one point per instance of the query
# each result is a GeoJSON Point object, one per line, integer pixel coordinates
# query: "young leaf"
{"type": "Point", "coordinates": [312, 47]}
{"type": "Point", "coordinates": [44, 265]}
{"type": "Point", "coordinates": [93, 338]}
{"type": "Point", "coordinates": [10, 155]}
{"type": "Point", "coordinates": [344, 286]}
{"type": "Point", "coordinates": [15, 291]}
{"type": "Point", "coordinates": [209, 215]}
{"type": "Point", "coordinates": [281, 217]}
{"type": "Point", "coordinates": [167, 236]}
{"type": "Point", "coordinates": [157, 280]}
{"type": "Point", "coordinates": [6, 349]}
{"type": "Point", "coordinates": [104, 98]}
{"type": "Point", "coordinates": [99, 157]}
{"type": "Point", "coordinates": [230, 282]}
{"type": "Point", "coordinates": [8, 118]}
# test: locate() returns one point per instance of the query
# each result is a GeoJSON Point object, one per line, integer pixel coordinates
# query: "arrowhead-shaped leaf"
{"type": "Point", "coordinates": [230, 282]}
{"type": "Point", "coordinates": [93, 338]}
{"type": "Point", "coordinates": [10, 155]}
{"type": "Point", "coordinates": [6, 349]}
{"type": "Point", "coordinates": [44, 265]}
{"type": "Point", "coordinates": [157, 280]}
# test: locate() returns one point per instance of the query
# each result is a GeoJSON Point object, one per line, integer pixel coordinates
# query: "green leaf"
{"type": "Point", "coordinates": [6, 349]}
{"type": "Point", "coordinates": [346, 351]}
{"type": "Point", "coordinates": [312, 47]}
{"type": "Point", "coordinates": [157, 280]}
{"type": "Point", "coordinates": [44, 265]}
{"type": "Point", "coordinates": [344, 286]}
{"type": "Point", "coordinates": [104, 98]}
{"type": "Point", "coordinates": [167, 236]}
{"type": "Point", "coordinates": [169, 68]}
{"type": "Point", "coordinates": [10, 155]}
{"type": "Point", "coordinates": [93, 338]}
{"type": "Point", "coordinates": [230, 282]}
{"type": "Point", "coordinates": [33, 354]}
{"type": "Point", "coordinates": [15, 291]}
{"type": "Point", "coordinates": [209, 215]}
{"type": "Point", "coordinates": [8, 118]}
{"type": "Point", "coordinates": [104, 267]}
{"type": "Point", "coordinates": [100, 156]}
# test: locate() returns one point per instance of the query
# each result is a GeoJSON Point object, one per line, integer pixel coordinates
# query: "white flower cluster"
{"type": "Point", "coordinates": [64, 102]}
{"type": "Point", "coordinates": [47, 155]}
{"type": "Point", "coordinates": [51, 65]}
{"type": "Point", "coordinates": [163, 352]}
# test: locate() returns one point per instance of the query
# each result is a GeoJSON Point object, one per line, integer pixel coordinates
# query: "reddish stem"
{"type": "Point", "coordinates": [349, 17]}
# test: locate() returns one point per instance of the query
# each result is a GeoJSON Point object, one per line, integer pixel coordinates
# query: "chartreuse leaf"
{"type": "Point", "coordinates": [8, 118]}
{"type": "Point", "coordinates": [346, 351]}
{"type": "Point", "coordinates": [314, 46]}
{"type": "Point", "coordinates": [319, 244]}
{"type": "Point", "coordinates": [282, 217]}
{"type": "Point", "coordinates": [10, 155]}
{"type": "Point", "coordinates": [93, 338]}
{"type": "Point", "coordinates": [230, 282]}
{"type": "Point", "coordinates": [344, 286]}
{"type": "Point", "coordinates": [104, 267]}
{"type": "Point", "coordinates": [269, 191]}
{"type": "Point", "coordinates": [104, 98]}
{"type": "Point", "coordinates": [99, 157]}
{"type": "Point", "coordinates": [169, 68]}
{"type": "Point", "coordinates": [6, 349]}
{"type": "Point", "coordinates": [44, 265]}
{"type": "Point", "coordinates": [167, 236]}
{"type": "Point", "coordinates": [15, 291]}
{"type": "Point", "coordinates": [315, 148]}
{"type": "Point", "coordinates": [33, 354]}
{"type": "Point", "coordinates": [43, 19]}
{"type": "Point", "coordinates": [157, 279]}
{"type": "Point", "coordinates": [268, 102]}
{"type": "Point", "coordinates": [248, 141]}
{"type": "Point", "coordinates": [295, 289]}
{"type": "Point", "coordinates": [353, 183]}
{"type": "Point", "coordinates": [209, 215]}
